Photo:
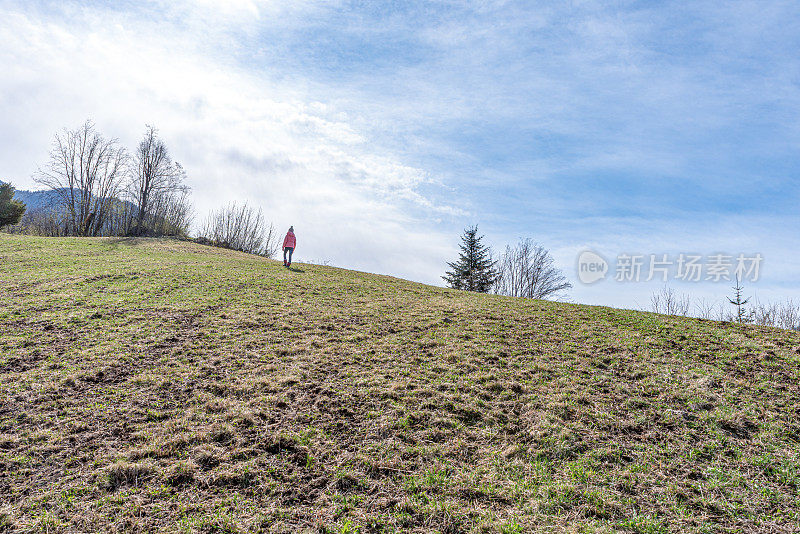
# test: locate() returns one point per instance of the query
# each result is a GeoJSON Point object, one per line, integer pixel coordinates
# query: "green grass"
{"type": "Point", "coordinates": [157, 385]}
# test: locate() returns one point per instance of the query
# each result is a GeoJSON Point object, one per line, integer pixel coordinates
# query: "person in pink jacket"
{"type": "Point", "coordinates": [289, 243]}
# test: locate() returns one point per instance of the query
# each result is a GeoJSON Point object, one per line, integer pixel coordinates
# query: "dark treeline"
{"type": "Point", "coordinates": [11, 209]}
{"type": "Point", "coordinates": [93, 187]}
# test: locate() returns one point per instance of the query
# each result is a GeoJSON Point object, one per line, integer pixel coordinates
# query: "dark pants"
{"type": "Point", "coordinates": [290, 250]}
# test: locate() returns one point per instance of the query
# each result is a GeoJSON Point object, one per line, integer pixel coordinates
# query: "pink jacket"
{"type": "Point", "coordinates": [289, 240]}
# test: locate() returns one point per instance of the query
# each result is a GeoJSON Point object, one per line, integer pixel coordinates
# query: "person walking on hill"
{"type": "Point", "coordinates": [289, 243]}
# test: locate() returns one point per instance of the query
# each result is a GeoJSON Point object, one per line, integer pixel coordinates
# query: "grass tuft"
{"type": "Point", "coordinates": [123, 473]}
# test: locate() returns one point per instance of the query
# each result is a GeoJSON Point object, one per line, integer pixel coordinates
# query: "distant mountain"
{"type": "Point", "coordinates": [36, 200]}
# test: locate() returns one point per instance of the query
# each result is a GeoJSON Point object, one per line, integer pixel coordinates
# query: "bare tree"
{"type": "Point", "coordinates": [707, 309]}
{"type": "Point", "coordinates": [527, 270]}
{"type": "Point", "coordinates": [47, 221]}
{"type": "Point", "coordinates": [765, 314]}
{"type": "Point", "coordinates": [779, 314]}
{"type": "Point", "coordinates": [157, 189]}
{"type": "Point", "coordinates": [85, 171]}
{"type": "Point", "coordinates": [170, 212]}
{"type": "Point", "coordinates": [668, 302]}
{"type": "Point", "coordinates": [240, 228]}
{"type": "Point", "coordinates": [789, 316]}
{"type": "Point", "coordinates": [118, 221]}
{"type": "Point", "coordinates": [272, 242]}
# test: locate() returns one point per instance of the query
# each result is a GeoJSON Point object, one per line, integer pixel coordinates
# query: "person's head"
{"type": "Point", "coordinates": [291, 229]}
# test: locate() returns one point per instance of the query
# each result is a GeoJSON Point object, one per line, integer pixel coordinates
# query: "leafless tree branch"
{"type": "Point", "coordinates": [240, 228]}
{"type": "Point", "coordinates": [527, 270]}
{"type": "Point", "coordinates": [85, 171]}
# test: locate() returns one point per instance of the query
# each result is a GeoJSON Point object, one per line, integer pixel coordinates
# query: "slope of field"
{"type": "Point", "coordinates": [156, 385]}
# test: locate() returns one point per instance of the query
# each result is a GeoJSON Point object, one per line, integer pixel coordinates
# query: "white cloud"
{"type": "Point", "coordinates": [568, 123]}
{"type": "Point", "coordinates": [241, 136]}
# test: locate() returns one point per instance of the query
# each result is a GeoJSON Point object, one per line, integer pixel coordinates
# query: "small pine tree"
{"type": "Point", "coordinates": [474, 270]}
{"type": "Point", "coordinates": [10, 210]}
{"type": "Point", "coordinates": [742, 314]}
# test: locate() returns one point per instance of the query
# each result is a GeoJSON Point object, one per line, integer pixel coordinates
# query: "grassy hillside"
{"type": "Point", "coordinates": [155, 385]}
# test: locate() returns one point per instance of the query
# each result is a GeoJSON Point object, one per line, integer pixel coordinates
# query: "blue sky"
{"type": "Point", "coordinates": [381, 129]}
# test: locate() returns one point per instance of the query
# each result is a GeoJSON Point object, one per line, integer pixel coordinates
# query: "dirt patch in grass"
{"type": "Point", "coordinates": [33, 341]}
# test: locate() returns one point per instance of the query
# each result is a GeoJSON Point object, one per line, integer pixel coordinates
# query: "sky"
{"type": "Point", "coordinates": [380, 130]}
